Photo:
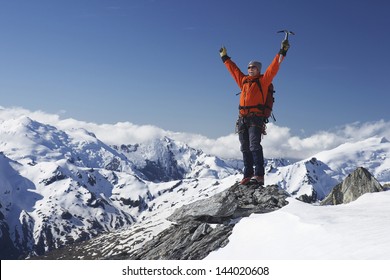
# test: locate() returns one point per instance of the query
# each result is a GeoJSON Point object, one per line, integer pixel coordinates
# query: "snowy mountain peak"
{"type": "Point", "coordinates": [58, 187]}
{"type": "Point", "coordinates": [372, 154]}
{"type": "Point", "coordinates": [313, 178]}
{"type": "Point", "coordinates": [61, 186]}
{"type": "Point", "coordinates": [165, 159]}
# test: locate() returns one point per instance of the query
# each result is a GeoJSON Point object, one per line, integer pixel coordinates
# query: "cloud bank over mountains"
{"type": "Point", "coordinates": [279, 142]}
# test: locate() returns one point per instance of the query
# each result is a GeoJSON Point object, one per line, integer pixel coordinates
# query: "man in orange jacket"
{"type": "Point", "coordinates": [251, 121]}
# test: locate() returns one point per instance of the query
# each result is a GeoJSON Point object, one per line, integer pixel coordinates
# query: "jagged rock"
{"type": "Point", "coordinates": [235, 202]}
{"type": "Point", "coordinates": [193, 236]}
{"type": "Point", "coordinates": [356, 184]}
{"type": "Point", "coordinates": [192, 240]}
{"type": "Point", "coordinates": [140, 203]}
{"type": "Point", "coordinates": [66, 215]}
{"type": "Point", "coordinates": [163, 171]}
{"type": "Point", "coordinates": [308, 198]}
{"type": "Point", "coordinates": [58, 175]}
{"type": "Point", "coordinates": [114, 164]}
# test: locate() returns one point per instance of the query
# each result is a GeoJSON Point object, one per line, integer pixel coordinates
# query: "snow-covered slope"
{"type": "Point", "coordinates": [359, 230]}
{"type": "Point", "coordinates": [372, 154]}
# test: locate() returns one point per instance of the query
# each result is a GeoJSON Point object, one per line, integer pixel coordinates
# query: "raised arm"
{"type": "Point", "coordinates": [232, 67]}
{"type": "Point", "coordinates": [273, 68]}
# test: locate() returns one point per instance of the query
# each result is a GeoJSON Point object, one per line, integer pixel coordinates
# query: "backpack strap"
{"type": "Point", "coordinates": [257, 81]}
{"type": "Point", "coordinates": [259, 106]}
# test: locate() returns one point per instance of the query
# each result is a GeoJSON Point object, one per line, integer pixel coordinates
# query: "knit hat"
{"type": "Point", "coordinates": [255, 63]}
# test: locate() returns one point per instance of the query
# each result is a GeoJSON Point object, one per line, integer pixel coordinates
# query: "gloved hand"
{"type": "Point", "coordinates": [284, 47]}
{"type": "Point", "coordinates": [222, 51]}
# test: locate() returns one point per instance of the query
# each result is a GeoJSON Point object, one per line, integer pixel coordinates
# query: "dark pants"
{"type": "Point", "coordinates": [249, 131]}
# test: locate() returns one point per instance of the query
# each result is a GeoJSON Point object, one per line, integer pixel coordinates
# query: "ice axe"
{"type": "Point", "coordinates": [287, 33]}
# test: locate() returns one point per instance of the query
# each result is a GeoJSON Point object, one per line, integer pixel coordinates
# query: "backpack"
{"type": "Point", "coordinates": [269, 103]}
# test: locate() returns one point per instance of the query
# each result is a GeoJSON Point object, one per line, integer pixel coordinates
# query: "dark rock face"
{"type": "Point", "coordinates": [163, 171]}
{"type": "Point", "coordinates": [204, 226]}
{"type": "Point", "coordinates": [58, 175]}
{"type": "Point", "coordinates": [356, 184]}
{"type": "Point", "coordinates": [8, 249]}
{"type": "Point", "coordinates": [163, 167]}
{"type": "Point", "coordinates": [192, 240]}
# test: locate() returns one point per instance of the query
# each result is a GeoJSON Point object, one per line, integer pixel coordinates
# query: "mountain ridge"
{"type": "Point", "coordinates": [85, 187]}
{"type": "Point", "coordinates": [67, 186]}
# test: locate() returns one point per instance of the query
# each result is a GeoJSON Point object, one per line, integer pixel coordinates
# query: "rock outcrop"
{"type": "Point", "coordinates": [204, 226]}
{"type": "Point", "coordinates": [356, 184]}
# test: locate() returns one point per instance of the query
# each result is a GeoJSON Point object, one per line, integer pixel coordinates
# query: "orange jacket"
{"type": "Point", "coordinates": [250, 91]}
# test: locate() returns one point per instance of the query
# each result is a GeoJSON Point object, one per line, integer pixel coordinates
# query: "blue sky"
{"type": "Point", "coordinates": [157, 62]}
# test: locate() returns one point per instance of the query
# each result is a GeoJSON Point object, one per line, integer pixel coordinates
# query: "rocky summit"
{"type": "Point", "coordinates": [204, 226]}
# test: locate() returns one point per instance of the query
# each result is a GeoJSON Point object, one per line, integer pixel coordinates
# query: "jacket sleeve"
{"type": "Point", "coordinates": [234, 71]}
{"type": "Point", "coordinates": [272, 70]}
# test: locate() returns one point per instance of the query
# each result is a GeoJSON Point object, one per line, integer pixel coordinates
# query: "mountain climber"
{"type": "Point", "coordinates": [251, 122]}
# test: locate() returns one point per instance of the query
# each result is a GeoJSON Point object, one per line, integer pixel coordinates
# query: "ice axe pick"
{"type": "Point", "coordinates": [287, 33]}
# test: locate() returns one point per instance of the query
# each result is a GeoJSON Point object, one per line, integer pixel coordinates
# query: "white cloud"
{"type": "Point", "coordinates": [279, 142]}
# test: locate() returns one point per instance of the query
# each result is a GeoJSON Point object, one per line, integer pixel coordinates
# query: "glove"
{"type": "Point", "coordinates": [222, 51]}
{"type": "Point", "coordinates": [223, 54]}
{"type": "Point", "coordinates": [284, 47]}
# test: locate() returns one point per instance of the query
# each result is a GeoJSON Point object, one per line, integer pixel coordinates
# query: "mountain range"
{"type": "Point", "coordinates": [62, 188]}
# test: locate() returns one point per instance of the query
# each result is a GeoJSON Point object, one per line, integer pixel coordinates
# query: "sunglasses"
{"type": "Point", "coordinates": [252, 67]}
